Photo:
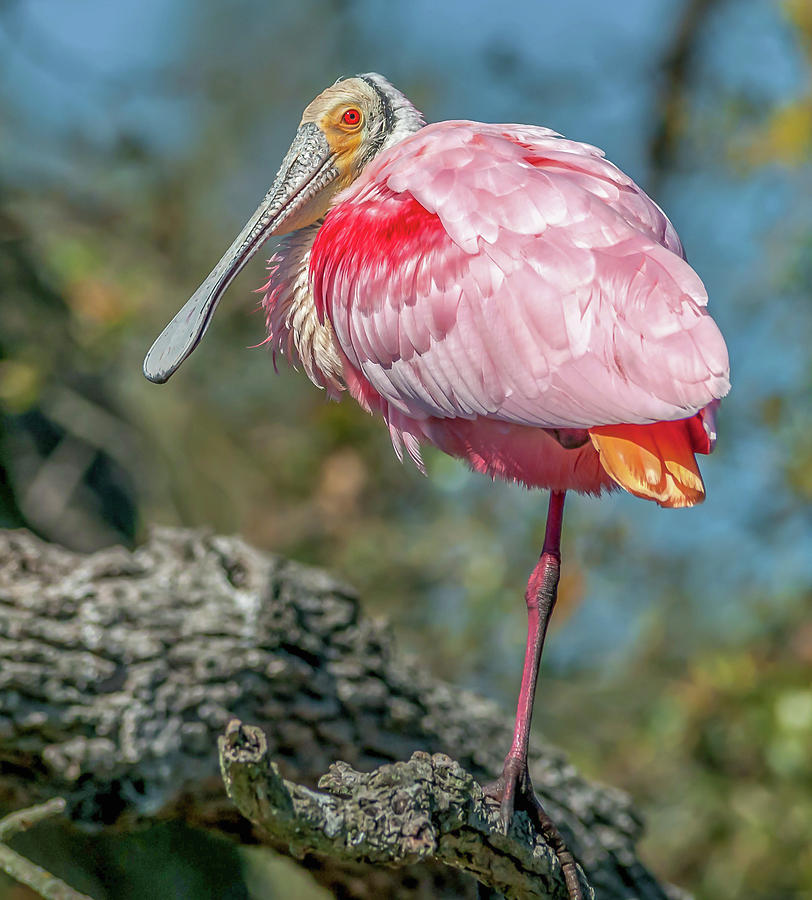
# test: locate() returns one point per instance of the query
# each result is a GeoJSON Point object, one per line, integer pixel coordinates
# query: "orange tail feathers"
{"type": "Point", "coordinates": [655, 461]}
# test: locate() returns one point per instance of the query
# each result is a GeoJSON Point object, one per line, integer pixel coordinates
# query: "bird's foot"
{"type": "Point", "coordinates": [513, 790]}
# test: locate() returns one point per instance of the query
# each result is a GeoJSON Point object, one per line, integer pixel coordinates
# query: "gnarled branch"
{"type": "Point", "coordinates": [428, 808]}
{"type": "Point", "coordinates": [120, 670]}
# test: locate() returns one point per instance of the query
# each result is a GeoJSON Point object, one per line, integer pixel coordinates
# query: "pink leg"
{"type": "Point", "coordinates": [540, 597]}
{"type": "Point", "coordinates": [514, 788]}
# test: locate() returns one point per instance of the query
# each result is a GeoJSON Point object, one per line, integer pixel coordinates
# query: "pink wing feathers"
{"type": "Point", "coordinates": [502, 271]}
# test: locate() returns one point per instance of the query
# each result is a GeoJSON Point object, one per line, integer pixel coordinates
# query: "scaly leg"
{"type": "Point", "coordinates": [513, 789]}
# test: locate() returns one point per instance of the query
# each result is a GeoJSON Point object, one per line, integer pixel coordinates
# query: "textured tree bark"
{"type": "Point", "coordinates": [406, 812]}
{"type": "Point", "coordinates": [119, 670]}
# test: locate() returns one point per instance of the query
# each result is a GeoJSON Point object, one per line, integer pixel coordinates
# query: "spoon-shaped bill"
{"type": "Point", "coordinates": [306, 170]}
{"type": "Point", "coordinates": [186, 329]}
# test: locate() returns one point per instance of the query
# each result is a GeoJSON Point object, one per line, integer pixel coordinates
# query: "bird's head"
{"type": "Point", "coordinates": [345, 127]}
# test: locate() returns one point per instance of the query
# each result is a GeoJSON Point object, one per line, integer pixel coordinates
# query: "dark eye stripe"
{"type": "Point", "coordinates": [386, 106]}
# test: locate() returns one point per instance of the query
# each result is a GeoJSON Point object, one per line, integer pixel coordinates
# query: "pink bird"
{"type": "Point", "coordinates": [499, 292]}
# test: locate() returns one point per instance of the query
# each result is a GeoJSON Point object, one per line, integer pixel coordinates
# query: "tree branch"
{"type": "Point", "coordinates": [120, 671]}
{"type": "Point", "coordinates": [22, 869]}
{"type": "Point", "coordinates": [399, 814]}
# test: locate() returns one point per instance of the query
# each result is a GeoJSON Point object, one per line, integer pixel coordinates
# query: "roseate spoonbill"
{"type": "Point", "coordinates": [498, 291]}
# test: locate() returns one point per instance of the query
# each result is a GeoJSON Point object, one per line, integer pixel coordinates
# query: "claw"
{"type": "Point", "coordinates": [507, 787]}
{"type": "Point", "coordinates": [513, 790]}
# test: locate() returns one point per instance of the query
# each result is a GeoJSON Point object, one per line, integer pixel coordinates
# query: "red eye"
{"type": "Point", "coordinates": [351, 116]}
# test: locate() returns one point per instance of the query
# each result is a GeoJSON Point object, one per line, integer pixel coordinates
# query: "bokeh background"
{"type": "Point", "coordinates": [135, 139]}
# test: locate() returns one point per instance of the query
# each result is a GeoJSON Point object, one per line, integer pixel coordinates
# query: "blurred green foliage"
{"type": "Point", "coordinates": [716, 750]}
{"type": "Point", "coordinates": [680, 668]}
